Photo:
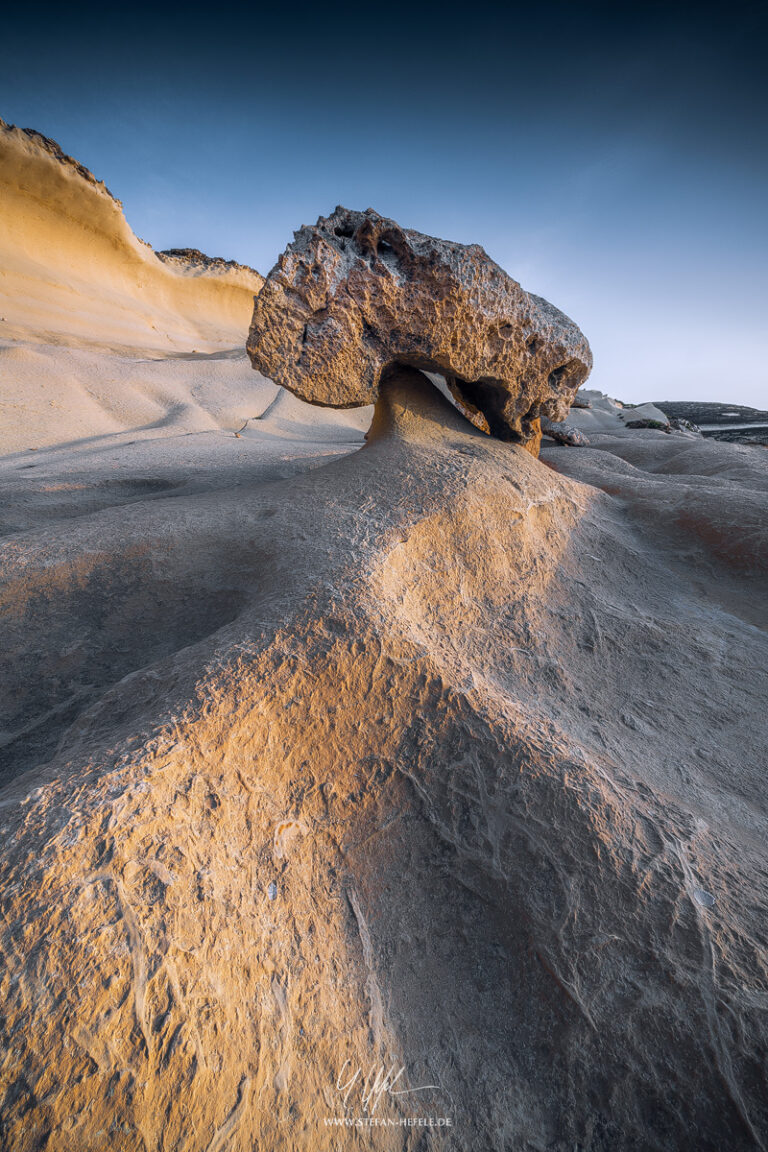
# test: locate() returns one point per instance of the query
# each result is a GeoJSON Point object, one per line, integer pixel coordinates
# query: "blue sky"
{"type": "Point", "coordinates": [611, 157]}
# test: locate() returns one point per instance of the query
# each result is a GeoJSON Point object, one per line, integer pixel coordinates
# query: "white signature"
{"type": "Point", "coordinates": [378, 1082]}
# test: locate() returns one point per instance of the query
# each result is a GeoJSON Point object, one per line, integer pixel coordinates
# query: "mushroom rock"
{"type": "Point", "coordinates": [356, 293]}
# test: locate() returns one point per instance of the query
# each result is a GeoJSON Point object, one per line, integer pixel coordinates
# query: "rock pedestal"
{"type": "Point", "coordinates": [356, 293]}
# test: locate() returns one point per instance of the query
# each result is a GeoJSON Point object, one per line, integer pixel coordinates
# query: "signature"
{"type": "Point", "coordinates": [378, 1082]}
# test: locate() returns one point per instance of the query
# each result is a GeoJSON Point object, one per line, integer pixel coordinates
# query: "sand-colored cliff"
{"type": "Point", "coordinates": [72, 269]}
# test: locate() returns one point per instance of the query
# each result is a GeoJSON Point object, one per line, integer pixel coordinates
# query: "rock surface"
{"type": "Point", "coordinates": [596, 414]}
{"type": "Point", "coordinates": [44, 144]}
{"type": "Point", "coordinates": [423, 758]}
{"type": "Point", "coordinates": [679, 424]}
{"type": "Point", "coordinates": [644, 416]}
{"type": "Point", "coordinates": [194, 262]}
{"type": "Point", "coordinates": [563, 433]}
{"type": "Point", "coordinates": [356, 292]}
{"type": "Point", "coordinates": [73, 271]}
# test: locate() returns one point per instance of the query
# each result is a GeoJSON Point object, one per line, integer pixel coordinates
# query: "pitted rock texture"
{"type": "Point", "coordinates": [356, 293]}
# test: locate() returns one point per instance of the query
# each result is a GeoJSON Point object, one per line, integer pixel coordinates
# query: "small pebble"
{"type": "Point", "coordinates": [706, 899]}
{"type": "Point", "coordinates": [272, 890]}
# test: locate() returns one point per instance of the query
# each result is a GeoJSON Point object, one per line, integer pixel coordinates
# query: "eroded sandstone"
{"type": "Point", "coordinates": [356, 293]}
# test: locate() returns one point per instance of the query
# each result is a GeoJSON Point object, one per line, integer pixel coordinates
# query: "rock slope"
{"type": "Point", "coordinates": [430, 759]}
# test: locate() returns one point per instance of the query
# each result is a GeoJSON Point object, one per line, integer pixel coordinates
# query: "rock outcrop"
{"type": "Point", "coordinates": [563, 433]}
{"type": "Point", "coordinates": [193, 262]}
{"type": "Point", "coordinates": [644, 416]}
{"type": "Point", "coordinates": [44, 144]}
{"type": "Point", "coordinates": [679, 424]}
{"type": "Point", "coordinates": [594, 414]}
{"type": "Point", "coordinates": [73, 270]}
{"type": "Point", "coordinates": [356, 293]}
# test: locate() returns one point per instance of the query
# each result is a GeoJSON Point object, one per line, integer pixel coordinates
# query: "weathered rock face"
{"type": "Point", "coordinates": [356, 293]}
{"type": "Point", "coordinates": [74, 269]}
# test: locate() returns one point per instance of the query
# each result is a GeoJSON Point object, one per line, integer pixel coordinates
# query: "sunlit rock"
{"type": "Point", "coordinates": [356, 292]}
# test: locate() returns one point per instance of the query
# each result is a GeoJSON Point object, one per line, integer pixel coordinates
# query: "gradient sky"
{"type": "Point", "coordinates": [611, 157]}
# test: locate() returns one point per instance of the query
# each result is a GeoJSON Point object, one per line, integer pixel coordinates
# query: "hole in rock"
{"type": "Point", "coordinates": [565, 375]}
{"type": "Point", "coordinates": [369, 333]}
{"type": "Point", "coordinates": [491, 398]}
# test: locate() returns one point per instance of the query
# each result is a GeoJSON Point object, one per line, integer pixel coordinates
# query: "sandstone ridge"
{"type": "Point", "coordinates": [74, 272]}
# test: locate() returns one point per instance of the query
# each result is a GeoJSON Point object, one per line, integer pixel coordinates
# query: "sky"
{"type": "Point", "coordinates": [612, 157]}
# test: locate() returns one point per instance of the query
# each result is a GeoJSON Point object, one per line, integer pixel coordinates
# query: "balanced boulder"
{"type": "Point", "coordinates": [356, 293]}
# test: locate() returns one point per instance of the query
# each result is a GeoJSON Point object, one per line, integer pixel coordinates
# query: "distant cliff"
{"type": "Point", "coordinates": [732, 422]}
